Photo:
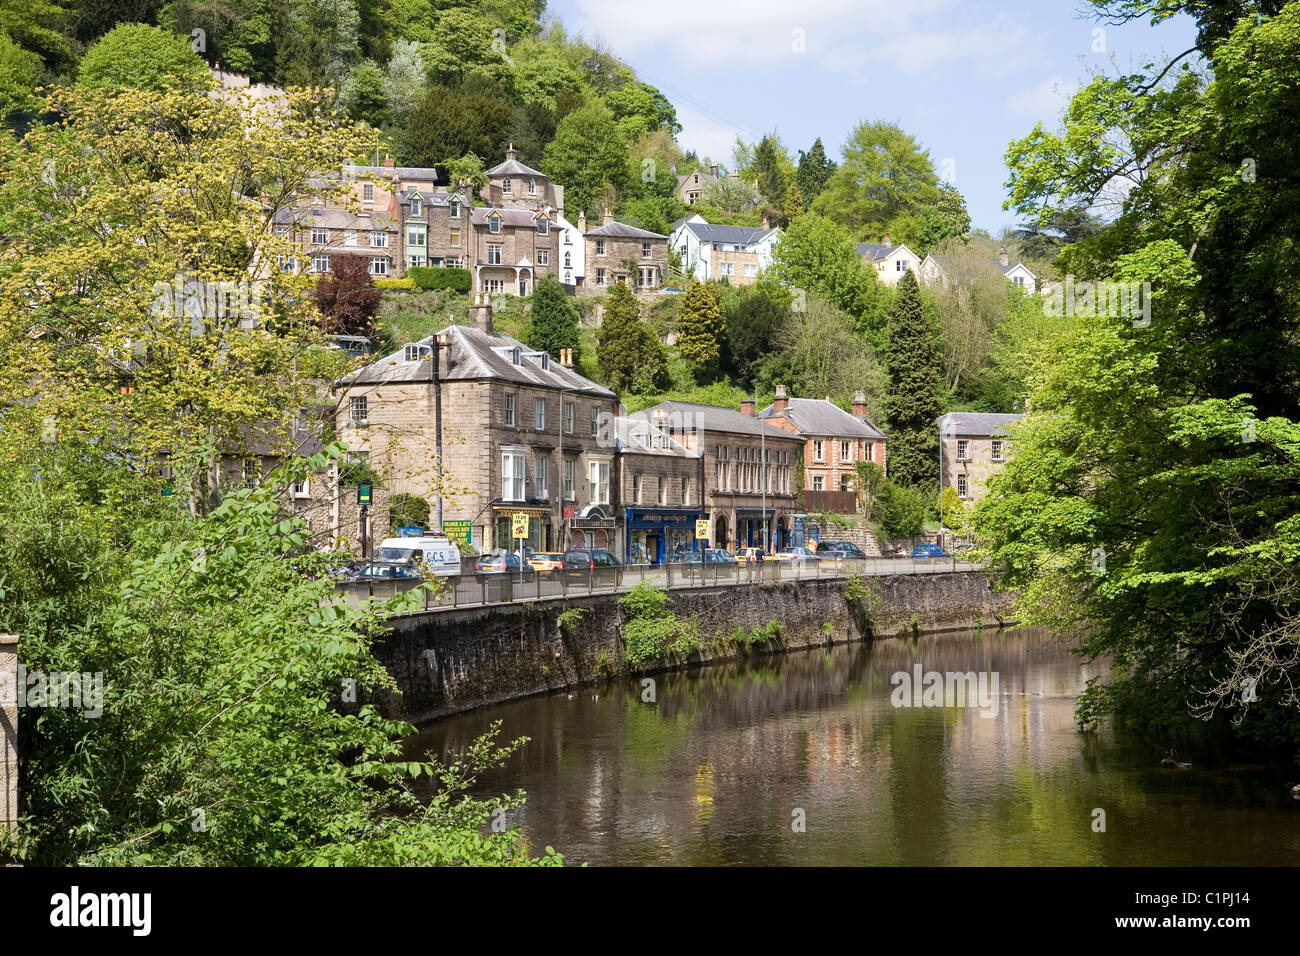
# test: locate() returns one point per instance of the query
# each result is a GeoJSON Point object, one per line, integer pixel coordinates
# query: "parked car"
{"type": "Point", "coordinates": [671, 290]}
{"type": "Point", "coordinates": [840, 549]}
{"type": "Point", "coordinates": [591, 566]}
{"type": "Point", "coordinates": [930, 551]}
{"type": "Point", "coordinates": [547, 562]}
{"type": "Point", "coordinates": [963, 550]}
{"type": "Point", "coordinates": [796, 556]}
{"type": "Point", "coordinates": [383, 571]}
{"type": "Point", "coordinates": [502, 562]}
{"type": "Point", "coordinates": [758, 554]}
{"type": "Point", "coordinates": [710, 561]}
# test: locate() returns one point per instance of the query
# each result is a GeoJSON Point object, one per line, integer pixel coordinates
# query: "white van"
{"type": "Point", "coordinates": [441, 556]}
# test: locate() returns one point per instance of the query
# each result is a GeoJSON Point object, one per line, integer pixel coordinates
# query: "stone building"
{"type": "Point", "coordinates": [975, 445]}
{"type": "Point", "coordinates": [435, 227]}
{"type": "Point", "coordinates": [623, 254]}
{"type": "Point", "coordinates": [660, 482]}
{"type": "Point", "coordinates": [521, 433]}
{"type": "Point", "coordinates": [736, 255]}
{"type": "Point", "coordinates": [747, 504]}
{"type": "Point", "coordinates": [691, 187]}
{"type": "Point", "coordinates": [510, 248]}
{"type": "Point", "coordinates": [834, 441]}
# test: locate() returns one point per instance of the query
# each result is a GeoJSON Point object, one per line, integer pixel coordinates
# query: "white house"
{"type": "Point", "coordinates": [571, 254]}
{"type": "Point", "coordinates": [734, 253]}
{"type": "Point", "coordinates": [891, 261]}
{"type": "Point", "coordinates": [932, 271]}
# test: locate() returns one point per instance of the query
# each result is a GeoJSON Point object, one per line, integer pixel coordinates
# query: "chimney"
{"type": "Point", "coordinates": [388, 163]}
{"type": "Point", "coordinates": [888, 240]}
{"type": "Point", "coordinates": [607, 218]}
{"type": "Point", "coordinates": [582, 223]}
{"type": "Point", "coordinates": [566, 358]}
{"type": "Point", "coordinates": [747, 407]}
{"type": "Point", "coordinates": [859, 404]}
{"type": "Point", "coordinates": [766, 224]}
{"type": "Point", "coordinates": [780, 403]}
{"type": "Point", "coordinates": [713, 170]}
{"type": "Point", "coordinates": [480, 313]}
{"type": "Point", "coordinates": [1003, 257]}
{"type": "Point", "coordinates": [510, 152]}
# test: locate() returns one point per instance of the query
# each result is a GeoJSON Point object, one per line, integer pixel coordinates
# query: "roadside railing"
{"type": "Point", "coordinates": [476, 590]}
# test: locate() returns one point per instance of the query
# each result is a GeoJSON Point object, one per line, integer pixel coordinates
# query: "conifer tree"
{"type": "Point", "coordinates": [630, 355]}
{"type": "Point", "coordinates": [554, 322]}
{"type": "Point", "coordinates": [701, 328]}
{"type": "Point", "coordinates": [915, 377]}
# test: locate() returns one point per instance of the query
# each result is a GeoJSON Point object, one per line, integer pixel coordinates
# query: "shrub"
{"type": "Point", "coordinates": [404, 283]}
{"type": "Point", "coordinates": [651, 629]}
{"type": "Point", "coordinates": [426, 277]}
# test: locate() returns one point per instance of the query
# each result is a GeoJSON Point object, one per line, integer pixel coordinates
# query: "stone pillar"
{"type": "Point", "coordinates": [8, 729]}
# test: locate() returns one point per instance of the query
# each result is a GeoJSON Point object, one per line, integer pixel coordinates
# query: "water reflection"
{"type": "Point", "coordinates": [717, 769]}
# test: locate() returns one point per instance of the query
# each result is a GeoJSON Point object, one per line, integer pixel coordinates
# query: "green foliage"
{"type": "Point", "coordinates": [884, 173]}
{"type": "Point", "coordinates": [553, 321]}
{"type": "Point", "coordinates": [20, 74]}
{"type": "Point", "coordinates": [755, 322]}
{"type": "Point", "coordinates": [569, 619]}
{"type": "Point", "coordinates": [702, 328]}
{"type": "Point", "coordinates": [651, 629]}
{"type": "Point", "coordinates": [449, 122]}
{"type": "Point", "coordinates": [144, 58]}
{"type": "Point", "coordinates": [814, 169]}
{"type": "Point", "coordinates": [427, 277]}
{"type": "Point", "coordinates": [955, 517]}
{"type": "Point", "coordinates": [407, 509]}
{"type": "Point", "coordinates": [902, 510]}
{"type": "Point", "coordinates": [912, 359]}
{"type": "Point", "coordinates": [587, 155]}
{"type": "Point", "coordinates": [404, 283]}
{"type": "Point", "coordinates": [631, 356]}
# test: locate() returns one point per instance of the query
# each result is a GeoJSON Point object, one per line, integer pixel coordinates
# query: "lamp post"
{"type": "Point", "coordinates": [439, 341]}
{"type": "Point", "coordinates": [762, 473]}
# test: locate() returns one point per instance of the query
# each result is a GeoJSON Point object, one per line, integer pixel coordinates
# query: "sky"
{"type": "Point", "coordinates": [965, 77]}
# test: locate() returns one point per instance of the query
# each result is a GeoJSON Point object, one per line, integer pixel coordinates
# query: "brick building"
{"type": "Point", "coordinates": [520, 433]}
{"type": "Point", "coordinates": [834, 440]}
{"type": "Point", "coordinates": [975, 445]}
{"type": "Point", "coordinates": [747, 504]}
{"type": "Point", "coordinates": [623, 254]}
{"type": "Point", "coordinates": [660, 482]}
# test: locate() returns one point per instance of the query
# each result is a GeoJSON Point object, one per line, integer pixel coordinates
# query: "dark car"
{"type": "Point", "coordinates": [503, 562]}
{"type": "Point", "coordinates": [710, 562]}
{"type": "Point", "coordinates": [930, 551]}
{"type": "Point", "coordinates": [590, 565]}
{"type": "Point", "coordinates": [382, 571]}
{"type": "Point", "coordinates": [839, 549]}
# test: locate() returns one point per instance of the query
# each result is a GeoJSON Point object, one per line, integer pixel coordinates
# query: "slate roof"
{"type": "Point", "coordinates": [621, 230]}
{"type": "Point", "coordinates": [636, 436]}
{"type": "Point", "coordinates": [714, 418]}
{"type": "Point", "coordinates": [732, 235]}
{"type": "Point", "coordinates": [512, 167]}
{"type": "Point", "coordinates": [475, 355]}
{"type": "Point", "coordinates": [940, 260]}
{"type": "Point", "coordinates": [306, 217]}
{"type": "Point", "coordinates": [509, 217]}
{"type": "Point", "coordinates": [400, 172]}
{"type": "Point", "coordinates": [976, 424]}
{"type": "Point", "coordinates": [877, 250]}
{"type": "Point", "coordinates": [705, 178]}
{"type": "Point", "coordinates": [438, 197]}
{"type": "Point", "coordinates": [816, 416]}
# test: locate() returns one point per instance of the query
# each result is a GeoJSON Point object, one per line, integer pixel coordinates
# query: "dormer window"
{"type": "Point", "coordinates": [455, 209]}
{"type": "Point", "coordinates": [415, 205]}
{"type": "Point", "coordinates": [412, 353]}
{"type": "Point", "coordinates": [543, 227]}
{"type": "Point", "coordinates": [514, 356]}
{"type": "Point", "coordinates": [532, 186]}
{"type": "Point", "coordinates": [505, 185]}
{"type": "Point", "coordinates": [494, 225]}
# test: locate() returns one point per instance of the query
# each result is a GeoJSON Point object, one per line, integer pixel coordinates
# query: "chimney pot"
{"type": "Point", "coordinates": [713, 170]}
{"type": "Point", "coordinates": [888, 241]}
{"type": "Point", "coordinates": [859, 404]}
{"type": "Point", "coordinates": [1003, 257]}
{"type": "Point", "coordinates": [608, 217]}
{"type": "Point", "coordinates": [780, 403]}
{"type": "Point", "coordinates": [388, 163]}
{"type": "Point", "coordinates": [747, 406]}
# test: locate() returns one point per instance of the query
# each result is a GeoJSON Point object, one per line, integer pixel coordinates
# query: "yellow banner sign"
{"type": "Point", "coordinates": [702, 529]}
{"type": "Point", "coordinates": [519, 521]}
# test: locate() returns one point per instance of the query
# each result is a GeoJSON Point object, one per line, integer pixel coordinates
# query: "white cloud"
{"type": "Point", "coordinates": [1044, 101]}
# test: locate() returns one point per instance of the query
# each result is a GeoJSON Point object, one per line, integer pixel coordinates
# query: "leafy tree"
{"type": "Point", "coordinates": [945, 218]}
{"type": "Point", "coordinates": [639, 108]}
{"type": "Point", "coordinates": [466, 169]}
{"type": "Point", "coordinates": [347, 297]}
{"type": "Point", "coordinates": [885, 172]}
{"type": "Point", "coordinates": [404, 509]}
{"type": "Point", "coordinates": [814, 169]}
{"type": "Point", "coordinates": [772, 168]}
{"type": "Point", "coordinates": [792, 208]}
{"type": "Point", "coordinates": [144, 58]}
{"type": "Point", "coordinates": [630, 355]}
{"type": "Point", "coordinates": [902, 509]}
{"type": "Point", "coordinates": [37, 26]}
{"type": "Point", "coordinates": [587, 153]}
{"type": "Point", "coordinates": [968, 304]}
{"type": "Point", "coordinates": [955, 517]}
{"type": "Point", "coordinates": [914, 365]}
{"type": "Point", "coordinates": [364, 95]}
{"type": "Point", "coordinates": [20, 74]}
{"type": "Point", "coordinates": [553, 323]}
{"type": "Point", "coordinates": [404, 83]}
{"type": "Point", "coordinates": [754, 322]}
{"type": "Point", "coordinates": [868, 477]}
{"type": "Point", "coordinates": [732, 194]}
{"type": "Point", "coordinates": [461, 45]}
{"type": "Point", "coordinates": [236, 33]}
{"type": "Point", "coordinates": [453, 121]}
{"type": "Point", "coordinates": [315, 41]}
{"type": "Point", "coordinates": [701, 328]}
{"type": "Point", "coordinates": [825, 358]}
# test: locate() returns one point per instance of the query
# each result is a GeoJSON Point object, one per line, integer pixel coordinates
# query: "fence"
{"type": "Point", "coordinates": [472, 590]}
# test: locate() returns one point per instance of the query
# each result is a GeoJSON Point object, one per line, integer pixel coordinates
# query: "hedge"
{"type": "Point", "coordinates": [424, 277]}
{"type": "Point", "coordinates": [407, 283]}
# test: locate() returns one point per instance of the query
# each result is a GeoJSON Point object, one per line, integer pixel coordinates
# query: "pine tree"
{"type": "Point", "coordinates": [630, 355]}
{"type": "Point", "coordinates": [701, 328]}
{"type": "Point", "coordinates": [814, 170]}
{"type": "Point", "coordinates": [792, 208]}
{"type": "Point", "coordinates": [915, 377]}
{"type": "Point", "coordinates": [554, 321]}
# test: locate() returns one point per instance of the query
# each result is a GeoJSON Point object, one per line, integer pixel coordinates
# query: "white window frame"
{"type": "Point", "coordinates": [963, 491]}
{"type": "Point", "coordinates": [320, 263]}
{"type": "Point", "coordinates": [819, 450]}
{"type": "Point", "coordinates": [494, 254]}
{"type": "Point", "coordinates": [367, 192]}
{"type": "Point", "coordinates": [506, 186]}
{"type": "Point", "coordinates": [494, 225]}
{"type": "Point", "coordinates": [600, 247]}
{"type": "Point", "coordinates": [350, 238]}
{"type": "Point", "coordinates": [570, 493]}
{"type": "Point", "coordinates": [320, 235]}
{"type": "Point", "coordinates": [539, 414]}
{"type": "Point", "coordinates": [378, 239]}
{"type": "Point", "coordinates": [415, 207]}
{"type": "Point", "coordinates": [514, 474]}
{"type": "Point", "coordinates": [357, 410]}
{"type": "Point", "coordinates": [543, 257]}
{"type": "Point", "coordinates": [543, 227]}
{"type": "Point", "coordinates": [379, 265]}
{"type": "Point", "coordinates": [598, 483]}
{"type": "Point", "coordinates": [568, 417]}
{"type": "Point", "coordinates": [818, 483]}
{"type": "Point", "coordinates": [997, 450]}
{"type": "Point", "coordinates": [963, 449]}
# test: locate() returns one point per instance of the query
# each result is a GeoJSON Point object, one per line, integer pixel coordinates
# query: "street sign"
{"type": "Point", "coordinates": [519, 522]}
{"type": "Point", "coordinates": [702, 529]}
{"type": "Point", "coordinates": [363, 493]}
{"type": "Point", "coordinates": [457, 530]}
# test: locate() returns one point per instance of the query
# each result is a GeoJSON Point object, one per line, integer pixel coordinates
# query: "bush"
{"type": "Point", "coordinates": [424, 277]}
{"type": "Point", "coordinates": [651, 629]}
{"type": "Point", "coordinates": [409, 510]}
{"type": "Point", "coordinates": [902, 510]}
{"type": "Point", "coordinates": [404, 283]}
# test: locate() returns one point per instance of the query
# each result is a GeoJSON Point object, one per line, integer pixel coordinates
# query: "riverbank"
{"type": "Point", "coordinates": [449, 662]}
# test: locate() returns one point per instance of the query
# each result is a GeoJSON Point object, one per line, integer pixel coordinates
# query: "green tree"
{"type": "Point", "coordinates": [915, 370]}
{"type": "Point", "coordinates": [587, 153]}
{"type": "Point", "coordinates": [754, 322]}
{"type": "Point", "coordinates": [141, 57]}
{"type": "Point", "coordinates": [813, 171]}
{"type": "Point", "coordinates": [772, 168]}
{"type": "Point", "coordinates": [461, 45]}
{"type": "Point", "coordinates": [943, 219]}
{"type": "Point", "coordinates": [315, 41]}
{"type": "Point", "coordinates": [955, 517]}
{"type": "Point", "coordinates": [792, 208]}
{"type": "Point", "coordinates": [902, 509]}
{"type": "Point", "coordinates": [235, 33]}
{"type": "Point", "coordinates": [701, 329]}
{"type": "Point", "coordinates": [553, 322]}
{"type": "Point", "coordinates": [364, 95]}
{"type": "Point", "coordinates": [37, 26]}
{"type": "Point", "coordinates": [20, 74]}
{"type": "Point", "coordinates": [884, 173]}
{"type": "Point", "coordinates": [453, 121]}
{"type": "Point", "coordinates": [630, 355]}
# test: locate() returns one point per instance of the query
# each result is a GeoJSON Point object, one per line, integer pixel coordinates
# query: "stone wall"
{"type": "Point", "coordinates": [451, 661]}
{"type": "Point", "coordinates": [8, 729]}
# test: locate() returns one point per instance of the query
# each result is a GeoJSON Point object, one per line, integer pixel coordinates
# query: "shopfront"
{"type": "Point", "coordinates": [592, 527]}
{"type": "Point", "coordinates": [660, 535]}
{"type": "Point", "coordinates": [541, 534]}
{"type": "Point", "coordinates": [749, 529]}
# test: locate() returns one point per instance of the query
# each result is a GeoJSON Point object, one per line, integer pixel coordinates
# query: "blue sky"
{"type": "Point", "coordinates": [965, 77]}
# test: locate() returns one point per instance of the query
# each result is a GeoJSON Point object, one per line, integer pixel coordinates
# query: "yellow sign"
{"type": "Point", "coordinates": [702, 529]}
{"type": "Point", "coordinates": [519, 521]}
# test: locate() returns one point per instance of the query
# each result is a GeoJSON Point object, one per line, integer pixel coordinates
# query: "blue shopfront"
{"type": "Point", "coordinates": [660, 535]}
{"type": "Point", "coordinates": [749, 530]}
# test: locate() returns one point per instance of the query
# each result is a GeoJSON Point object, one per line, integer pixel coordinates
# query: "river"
{"type": "Point", "coordinates": [804, 759]}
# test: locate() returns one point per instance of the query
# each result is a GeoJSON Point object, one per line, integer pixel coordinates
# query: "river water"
{"type": "Point", "coordinates": [804, 759]}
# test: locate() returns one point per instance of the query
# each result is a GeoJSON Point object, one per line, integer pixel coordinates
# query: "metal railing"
{"type": "Point", "coordinates": [476, 590]}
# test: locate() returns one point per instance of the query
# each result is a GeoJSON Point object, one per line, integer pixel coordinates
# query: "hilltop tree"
{"type": "Point", "coordinates": [792, 208]}
{"type": "Point", "coordinates": [630, 355]}
{"type": "Point", "coordinates": [885, 173]}
{"type": "Point", "coordinates": [141, 57]}
{"type": "Point", "coordinates": [701, 328]}
{"type": "Point", "coordinates": [452, 121]}
{"type": "Point", "coordinates": [20, 74]}
{"type": "Point", "coordinates": [818, 257]}
{"type": "Point", "coordinates": [587, 153]}
{"type": "Point", "coordinates": [945, 218]}
{"type": "Point", "coordinates": [553, 323]}
{"type": "Point", "coordinates": [347, 297]}
{"type": "Point", "coordinates": [814, 169]}
{"type": "Point", "coordinates": [754, 323]}
{"type": "Point", "coordinates": [915, 378]}
{"type": "Point", "coordinates": [772, 168]}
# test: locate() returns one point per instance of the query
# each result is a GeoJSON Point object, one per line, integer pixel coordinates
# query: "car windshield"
{"type": "Point", "coordinates": [394, 555]}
